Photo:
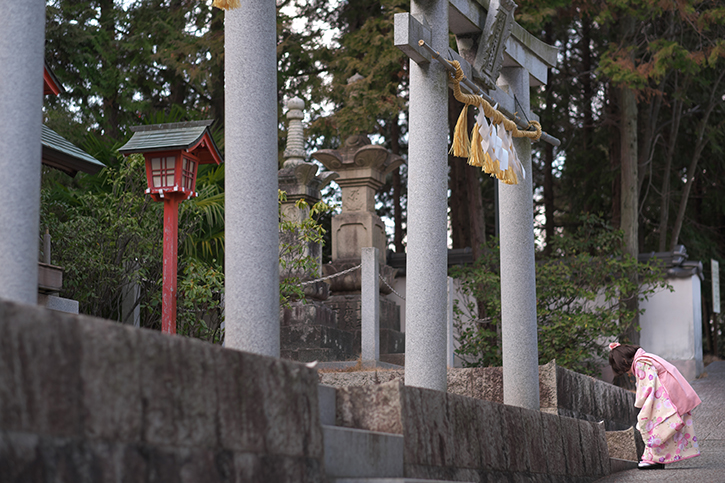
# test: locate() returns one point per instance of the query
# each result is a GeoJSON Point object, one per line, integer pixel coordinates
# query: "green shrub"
{"type": "Point", "coordinates": [579, 307]}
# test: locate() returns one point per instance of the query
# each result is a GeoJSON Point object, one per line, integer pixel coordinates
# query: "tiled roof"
{"type": "Point", "coordinates": [160, 137]}
{"type": "Point", "coordinates": [64, 155]}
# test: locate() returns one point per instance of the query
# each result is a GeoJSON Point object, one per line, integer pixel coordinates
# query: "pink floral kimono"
{"type": "Point", "coordinates": [665, 419]}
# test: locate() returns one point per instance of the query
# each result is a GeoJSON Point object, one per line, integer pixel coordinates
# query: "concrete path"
{"type": "Point", "coordinates": [709, 419]}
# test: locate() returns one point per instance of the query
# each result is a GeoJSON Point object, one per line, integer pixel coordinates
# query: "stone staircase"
{"type": "Point", "coordinates": [360, 456]}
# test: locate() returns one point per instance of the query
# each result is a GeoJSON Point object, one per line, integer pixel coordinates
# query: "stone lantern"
{"type": "Point", "coordinates": [362, 168]}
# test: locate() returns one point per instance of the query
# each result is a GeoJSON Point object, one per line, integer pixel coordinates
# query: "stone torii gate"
{"type": "Point", "coordinates": [495, 50]}
{"type": "Point", "coordinates": [22, 43]}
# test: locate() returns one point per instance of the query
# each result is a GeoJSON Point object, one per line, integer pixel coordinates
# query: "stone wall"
{"type": "Point", "coordinates": [562, 392]}
{"type": "Point", "coordinates": [458, 438]}
{"type": "Point", "coordinates": [83, 399]}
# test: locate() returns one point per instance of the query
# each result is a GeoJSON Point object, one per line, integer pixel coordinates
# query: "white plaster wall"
{"type": "Point", "coordinates": [672, 325]}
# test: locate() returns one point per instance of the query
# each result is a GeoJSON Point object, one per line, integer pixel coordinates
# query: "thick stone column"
{"type": "Point", "coordinates": [252, 237]}
{"type": "Point", "coordinates": [425, 336]}
{"type": "Point", "coordinates": [22, 42]}
{"type": "Point", "coordinates": [518, 273]}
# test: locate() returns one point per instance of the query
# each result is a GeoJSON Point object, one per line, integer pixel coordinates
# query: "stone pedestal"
{"type": "Point", "coordinates": [309, 333]}
{"type": "Point", "coordinates": [352, 231]}
{"type": "Point", "coordinates": [348, 306]}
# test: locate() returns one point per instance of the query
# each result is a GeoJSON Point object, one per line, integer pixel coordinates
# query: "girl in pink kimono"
{"type": "Point", "coordinates": [666, 400]}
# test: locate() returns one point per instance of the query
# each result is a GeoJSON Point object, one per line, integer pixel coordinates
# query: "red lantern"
{"type": "Point", "coordinates": [173, 153]}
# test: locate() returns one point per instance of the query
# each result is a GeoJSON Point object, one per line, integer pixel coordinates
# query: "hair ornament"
{"type": "Point", "coordinates": [614, 345]}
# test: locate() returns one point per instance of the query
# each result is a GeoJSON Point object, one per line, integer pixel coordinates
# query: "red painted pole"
{"type": "Point", "coordinates": [171, 241]}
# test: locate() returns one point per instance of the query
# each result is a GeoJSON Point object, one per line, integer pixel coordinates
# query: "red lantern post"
{"type": "Point", "coordinates": [173, 153]}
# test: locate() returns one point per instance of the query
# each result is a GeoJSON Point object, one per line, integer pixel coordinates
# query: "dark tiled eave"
{"type": "Point", "coordinates": [167, 137]}
{"type": "Point", "coordinates": [60, 153]}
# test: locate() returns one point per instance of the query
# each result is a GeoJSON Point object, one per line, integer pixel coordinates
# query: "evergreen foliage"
{"type": "Point", "coordinates": [124, 63]}
{"type": "Point", "coordinates": [579, 307]}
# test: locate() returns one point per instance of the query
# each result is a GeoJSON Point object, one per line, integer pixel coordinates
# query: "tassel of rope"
{"type": "Point", "coordinates": [226, 4]}
{"type": "Point", "coordinates": [491, 113]}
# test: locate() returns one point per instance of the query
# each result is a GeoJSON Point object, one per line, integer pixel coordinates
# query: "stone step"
{"type": "Point", "coordinates": [386, 480]}
{"type": "Point", "coordinates": [328, 405]}
{"type": "Point", "coordinates": [355, 453]}
{"type": "Point", "coordinates": [616, 465]}
{"type": "Point", "coordinates": [396, 359]}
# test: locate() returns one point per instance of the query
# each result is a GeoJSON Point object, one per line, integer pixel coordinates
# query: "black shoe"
{"type": "Point", "coordinates": [646, 465]}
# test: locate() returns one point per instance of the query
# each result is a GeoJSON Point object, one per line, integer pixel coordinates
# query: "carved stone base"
{"type": "Point", "coordinates": [331, 330]}
{"type": "Point", "coordinates": [348, 308]}
{"type": "Point", "coordinates": [309, 332]}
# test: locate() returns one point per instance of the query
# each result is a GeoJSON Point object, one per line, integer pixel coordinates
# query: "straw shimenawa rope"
{"type": "Point", "coordinates": [471, 148]}
{"type": "Point", "coordinates": [491, 113]}
{"type": "Point", "coordinates": [226, 4]}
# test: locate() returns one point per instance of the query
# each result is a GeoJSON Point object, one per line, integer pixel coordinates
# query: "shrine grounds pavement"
{"type": "Point", "coordinates": [709, 422]}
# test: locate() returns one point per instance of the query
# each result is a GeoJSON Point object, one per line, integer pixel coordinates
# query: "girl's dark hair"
{"type": "Point", "coordinates": [620, 358]}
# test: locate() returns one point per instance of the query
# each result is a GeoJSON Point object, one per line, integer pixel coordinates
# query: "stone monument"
{"type": "Point", "coordinates": [308, 331]}
{"type": "Point", "coordinates": [362, 167]}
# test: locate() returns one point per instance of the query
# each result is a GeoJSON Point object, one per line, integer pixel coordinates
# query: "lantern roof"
{"type": "Point", "coordinates": [193, 136]}
{"type": "Point", "coordinates": [61, 154]}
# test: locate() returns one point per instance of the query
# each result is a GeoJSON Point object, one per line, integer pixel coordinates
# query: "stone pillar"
{"type": "Point", "coordinates": [451, 350]}
{"type": "Point", "coordinates": [518, 272]}
{"type": "Point", "coordinates": [251, 215]}
{"type": "Point", "coordinates": [370, 310]}
{"type": "Point", "coordinates": [22, 42]}
{"type": "Point", "coordinates": [425, 336]}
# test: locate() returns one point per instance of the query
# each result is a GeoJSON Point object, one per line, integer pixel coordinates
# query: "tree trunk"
{"type": "Point", "coordinates": [630, 182]}
{"type": "Point", "coordinates": [630, 200]}
{"type": "Point", "coordinates": [699, 146]}
{"type": "Point", "coordinates": [549, 207]}
{"type": "Point", "coordinates": [477, 220]}
{"type": "Point", "coordinates": [614, 156]}
{"type": "Point", "coordinates": [217, 65]}
{"type": "Point", "coordinates": [111, 108]}
{"type": "Point", "coordinates": [397, 190]}
{"type": "Point", "coordinates": [648, 125]}
{"type": "Point", "coordinates": [665, 191]}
